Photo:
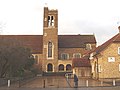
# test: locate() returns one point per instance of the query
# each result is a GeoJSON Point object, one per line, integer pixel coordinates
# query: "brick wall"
{"type": "Point", "coordinates": [108, 69]}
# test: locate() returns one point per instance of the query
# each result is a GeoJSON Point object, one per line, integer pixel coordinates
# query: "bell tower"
{"type": "Point", "coordinates": [50, 40]}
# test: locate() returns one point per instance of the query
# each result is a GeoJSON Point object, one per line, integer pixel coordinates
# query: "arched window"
{"type": "Point", "coordinates": [64, 56]}
{"type": "Point", "coordinates": [49, 49]}
{"type": "Point", "coordinates": [68, 67]}
{"type": "Point", "coordinates": [50, 67]}
{"type": "Point", "coordinates": [88, 46]}
{"type": "Point", "coordinates": [77, 55]}
{"type": "Point", "coordinates": [61, 67]}
{"type": "Point", "coordinates": [50, 20]}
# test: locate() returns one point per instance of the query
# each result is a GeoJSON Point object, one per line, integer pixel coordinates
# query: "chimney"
{"type": "Point", "coordinates": [119, 28]}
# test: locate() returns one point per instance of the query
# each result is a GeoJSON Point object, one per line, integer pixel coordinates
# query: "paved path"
{"type": "Point", "coordinates": [90, 88]}
{"type": "Point", "coordinates": [59, 83]}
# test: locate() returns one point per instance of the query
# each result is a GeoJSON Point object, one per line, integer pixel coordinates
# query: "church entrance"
{"type": "Point", "coordinates": [68, 67]}
{"type": "Point", "coordinates": [61, 67]}
{"type": "Point", "coordinates": [49, 67]}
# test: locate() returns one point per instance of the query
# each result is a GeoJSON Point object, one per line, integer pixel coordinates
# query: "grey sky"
{"type": "Point", "coordinates": [99, 17]}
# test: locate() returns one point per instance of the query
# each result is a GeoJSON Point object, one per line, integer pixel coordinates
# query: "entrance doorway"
{"type": "Point", "coordinates": [49, 67]}
{"type": "Point", "coordinates": [68, 67]}
{"type": "Point", "coordinates": [61, 67]}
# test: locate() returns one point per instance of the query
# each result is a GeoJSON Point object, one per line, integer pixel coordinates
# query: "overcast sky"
{"type": "Point", "coordinates": [98, 17]}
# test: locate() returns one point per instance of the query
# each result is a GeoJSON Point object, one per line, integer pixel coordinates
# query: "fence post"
{"type": "Point", "coordinates": [44, 84]}
{"type": "Point", "coordinates": [8, 83]}
{"type": "Point", "coordinates": [19, 82]}
{"type": "Point", "coordinates": [87, 83]}
{"type": "Point", "coordinates": [114, 82]}
{"type": "Point", "coordinates": [101, 83]}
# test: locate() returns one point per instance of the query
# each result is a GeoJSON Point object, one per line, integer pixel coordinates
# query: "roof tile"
{"type": "Point", "coordinates": [75, 41]}
{"type": "Point", "coordinates": [35, 42]}
{"type": "Point", "coordinates": [81, 62]}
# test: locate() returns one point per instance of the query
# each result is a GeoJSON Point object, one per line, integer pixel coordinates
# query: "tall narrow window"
{"type": "Point", "coordinates": [119, 67]}
{"type": "Point", "coordinates": [99, 68]}
{"type": "Point", "coordinates": [49, 49]}
{"type": "Point", "coordinates": [118, 50]}
{"type": "Point", "coordinates": [93, 68]}
{"type": "Point", "coordinates": [50, 21]}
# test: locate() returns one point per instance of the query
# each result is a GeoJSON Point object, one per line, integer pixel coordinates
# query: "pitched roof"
{"type": "Point", "coordinates": [35, 42]}
{"type": "Point", "coordinates": [81, 62]}
{"type": "Point", "coordinates": [114, 39]}
{"type": "Point", "coordinates": [75, 41]}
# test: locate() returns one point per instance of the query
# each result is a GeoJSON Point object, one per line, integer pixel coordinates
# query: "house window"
{"type": "Point", "coordinates": [118, 50]}
{"type": "Point", "coordinates": [99, 68]}
{"type": "Point", "coordinates": [93, 68]}
{"type": "Point", "coordinates": [64, 56]}
{"type": "Point", "coordinates": [77, 55]}
{"type": "Point", "coordinates": [49, 49]}
{"type": "Point", "coordinates": [119, 67]}
{"type": "Point", "coordinates": [88, 46]}
{"type": "Point", "coordinates": [50, 21]}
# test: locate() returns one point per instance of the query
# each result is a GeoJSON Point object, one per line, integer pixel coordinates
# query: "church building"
{"type": "Point", "coordinates": [53, 52]}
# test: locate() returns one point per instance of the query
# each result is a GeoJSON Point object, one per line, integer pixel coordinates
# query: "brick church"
{"type": "Point", "coordinates": [53, 52]}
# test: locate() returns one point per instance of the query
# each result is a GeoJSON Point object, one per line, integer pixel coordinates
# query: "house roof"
{"type": "Point", "coordinates": [114, 39]}
{"type": "Point", "coordinates": [81, 62]}
{"type": "Point", "coordinates": [75, 41]}
{"type": "Point", "coordinates": [35, 42]}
